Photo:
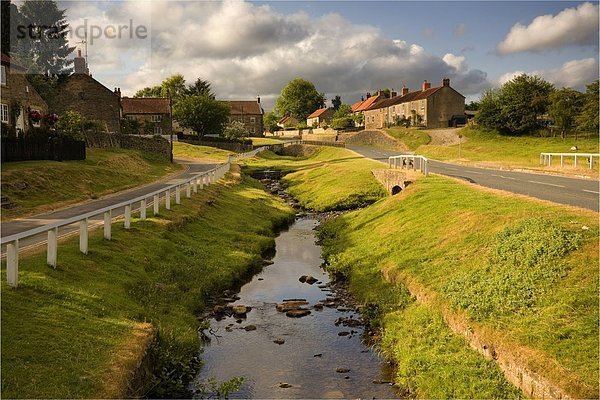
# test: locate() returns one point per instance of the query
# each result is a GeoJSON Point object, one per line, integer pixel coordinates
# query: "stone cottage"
{"type": "Point", "coordinates": [153, 114]}
{"type": "Point", "coordinates": [430, 107]}
{"type": "Point", "coordinates": [20, 103]}
{"type": "Point", "coordinates": [82, 93]}
{"type": "Point", "coordinates": [250, 113]}
{"type": "Point", "coordinates": [320, 117]}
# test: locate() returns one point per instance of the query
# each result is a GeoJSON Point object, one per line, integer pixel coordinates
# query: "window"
{"type": "Point", "coordinates": [4, 112]}
{"type": "Point", "coordinates": [157, 130]}
{"type": "Point", "coordinates": [422, 105]}
{"type": "Point", "coordinates": [252, 120]}
{"type": "Point", "coordinates": [37, 123]}
{"type": "Point", "coordinates": [130, 117]}
{"type": "Point", "coordinates": [252, 130]}
{"type": "Point", "coordinates": [3, 75]}
{"type": "Point", "coordinates": [156, 118]}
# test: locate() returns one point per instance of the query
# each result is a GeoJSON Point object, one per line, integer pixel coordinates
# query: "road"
{"type": "Point", "coordinates": [576, 192]}
{"type": "Point", "coordinates": [24, 224]}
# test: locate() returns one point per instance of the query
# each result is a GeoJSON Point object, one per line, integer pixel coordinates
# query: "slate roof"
{"type": "Point", "coordinates": [145, 105]}
{"type": "Point", "coordinates": [239, 107]}
{"type": "Point", "coordinates": [410, 96]}
{"type": "Point", "coordinates": [363, 105]}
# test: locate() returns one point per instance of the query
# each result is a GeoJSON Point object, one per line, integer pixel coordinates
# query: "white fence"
{"type": "Point", "coordinates": [188, 186]}
{"type": "Point", "coordinates": [410, 161]}
{"type": "Point", "coordinates": [546, 158]}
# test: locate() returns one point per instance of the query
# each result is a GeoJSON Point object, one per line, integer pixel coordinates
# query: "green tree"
{"type": "Point", "coordinates": [343, 110]}
{"type": "Point", "coordinates": [588, 119]}
{"type": "Point", "coordinates": [565, 105]}
{"type": "Point", "coordinates": [336, 102]}
{"type": "Point", "coordinates": [299, 98]}
{"type": "Point", "coordinates": [235, 130]}
{"type": "Point", "coordinates": [515, 107]}
{"type": "Point", "coordinates": [270, 120]}
{"type": "Point", "coordinates": [199, 88]}
{"type": "Point", "coordinates": [472, 106]}
{"type": "Point", "coordinates": [71, 124]}
{"type": "Point", "coordinates": [154, 91]}
{"type": "Point", "coordinates": [42, 37]}
{"type": "Point", "coordinates": [202, 114]}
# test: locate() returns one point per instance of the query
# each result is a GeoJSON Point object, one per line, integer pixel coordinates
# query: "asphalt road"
{"type": "Point", "coordinates": [24, 224]}
{"type": "Point", "coordinates": [576, 192]}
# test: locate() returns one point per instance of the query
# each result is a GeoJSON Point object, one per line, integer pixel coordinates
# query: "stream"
{"type": "Point", "coordinates": [318, 355]}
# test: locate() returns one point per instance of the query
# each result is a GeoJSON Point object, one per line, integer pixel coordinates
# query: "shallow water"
{"type": "Point", "coordinates": [266, 365]}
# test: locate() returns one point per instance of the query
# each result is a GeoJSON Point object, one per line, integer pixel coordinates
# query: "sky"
{"type": "Point", "coordinates": [345, 48]}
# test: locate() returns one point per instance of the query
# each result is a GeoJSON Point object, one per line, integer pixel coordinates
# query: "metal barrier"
{"type": "Point", "coordinates": [410, 161]}
{"type": "Point", "coordinates": [546, 158]}
{"type": "Point", "coordinates": [189, 185]}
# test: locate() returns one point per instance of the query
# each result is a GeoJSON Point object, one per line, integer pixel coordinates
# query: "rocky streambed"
{"type": "Point", "coordinates": [293, 333]}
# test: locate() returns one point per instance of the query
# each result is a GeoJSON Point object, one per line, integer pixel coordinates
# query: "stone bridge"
{"type": "Point", "coordinates": [394, 180]}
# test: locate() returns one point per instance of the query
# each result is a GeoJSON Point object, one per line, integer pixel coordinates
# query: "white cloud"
{"type": "Point", "coordinates": [572, 26]}
{"type": "Point", "coordinates": [574, 74]}
{"type": "Point", "coordinates": [246, 50]}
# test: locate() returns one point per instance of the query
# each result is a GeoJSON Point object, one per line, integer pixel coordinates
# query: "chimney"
{"type": "Point", "coordinates": [118, 92]}
{"type": "Point", "coordinates": [426, 85]}
{"type": "Point", "coordinates": [258, 99]}
{"type": "Point", "coordinates": [446, 82]}
{"type": "Point", "coordinates": [394, 94]}
{"type": "Point", "coordinates": [404, 90]}
{"type": "Point", "coordinates": [362, 98]}
{"type": "Point", "coordinates": [79, 65]}
{"type": "Point", "coordinates": [368, 95]}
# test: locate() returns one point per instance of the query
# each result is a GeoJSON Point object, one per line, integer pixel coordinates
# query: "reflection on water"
{"type": "Point", "coordinates": [312, 351]}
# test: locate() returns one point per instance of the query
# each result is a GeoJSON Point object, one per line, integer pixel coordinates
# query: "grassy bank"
{"type": "Point", "coordinates": [64, 330]}
{"type": "Point", "coordinates": [524, 273]}
{"type": "Point", "coordinates": [264, 141]}
{"type": "Point", "coordinates": [200, 153]}
{"type": "Point", "coordinates": [325, 178]}
{"type": "Point", "coordinates": [480, 145]}
{"type": "Point", "coordinates": [33, 187]}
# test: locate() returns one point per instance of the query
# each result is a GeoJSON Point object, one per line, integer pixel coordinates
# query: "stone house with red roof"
{"type": "Point", "coordinates": [250, 113]}
{"type": "Point", "coordinates": [81, 93]}
{"type": "Point", "coordinates": [152, 113]}
{"type": "Point", "coordinates": [430, 107]}
{"type": "Point", "coordinates": [18, 98]}
{"type": "Point", "coordinates": [287, 121]}
{"type": "Point", "coordinates": [320, 117]}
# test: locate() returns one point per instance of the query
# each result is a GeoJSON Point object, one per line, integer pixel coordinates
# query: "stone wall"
{"type": "Point", "coordinates": [373, 138]}
{"type": "Point", "coordinates": [153, 144]}
{"type": "Point", "coordinates": [394, 180]}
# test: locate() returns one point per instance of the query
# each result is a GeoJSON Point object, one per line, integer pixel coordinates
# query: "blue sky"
{"type": "Point", "coordinates": [346, 48]}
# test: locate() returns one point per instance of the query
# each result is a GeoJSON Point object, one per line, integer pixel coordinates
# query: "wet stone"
{"type": "Point", "coordinates": [298, 313]}
{"type": "Point", "coordinates": [285, 385]}
{"type": "Point", "coordinates": [342, 370]}
{"type": "Point", "coordinates": [279, 341]}
{"type": "Point", "coordinates": [291, 305]}
{"type": "Point", "coordinates": [343, 333]}
{"type": "Point", "coordinates": [248, 328]}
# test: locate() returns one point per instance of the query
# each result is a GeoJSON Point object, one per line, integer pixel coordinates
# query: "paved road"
{"type": "Point", "coordinates": [24, 224]}
{"type": "Point", "coordinates": [577, 192]}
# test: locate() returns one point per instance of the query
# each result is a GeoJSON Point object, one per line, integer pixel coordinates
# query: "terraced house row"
{"type": "Point", "coordinates": [431, 107]}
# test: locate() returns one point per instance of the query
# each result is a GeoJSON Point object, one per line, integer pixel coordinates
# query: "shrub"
{"type": "Point", "coordinates": [71, 124]}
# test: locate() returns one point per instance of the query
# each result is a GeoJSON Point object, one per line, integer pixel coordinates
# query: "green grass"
{"type": "Point", "coordinates": [41, 186]}
{"type": "Point", "coordinates": [517, 151]}
{"type": "Point", "coordinates": [412, 138]}
{"type": "Point", "coordinates": [265, 141]}
{"type": "Point", "coordinates": [525, 271]}
{"type": "Point", "coordinates": [62, 327]}
{"type": "Point", "coordinates": [190, 151]}
{"type": "Point", "coordinates": [328, 179]}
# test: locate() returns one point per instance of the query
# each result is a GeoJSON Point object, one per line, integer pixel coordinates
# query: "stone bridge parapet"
{"type": "Point", "coordinates": [394, 180]}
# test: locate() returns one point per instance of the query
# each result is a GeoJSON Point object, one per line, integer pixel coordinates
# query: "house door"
{"type": "Point", "coordinates": [20, 125]}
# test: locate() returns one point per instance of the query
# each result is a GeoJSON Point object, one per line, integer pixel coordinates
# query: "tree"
{"type": "Point", "coordinates": [154, 91]}
{"type": "Point", "coordinates": [336, 102]}
{"type": "Point", "coordinates": [199, 88]}
{"type": "Point", "coordinates": [588, 119]}
{"type": "Point", "coordinates": [343, 110]}
{"type": "Point", "coordinates": [235, 130]}
{"type": "Point", "coordinates": [202, 114]}
{"type": "Point", "coordinates": [71, 124]}
{"type": "Point", "coordinates": [42, 37]}
{"type": "Point", "coordinates": [299, 98]}
{"type": "Point", "coordinates": [565, 105]}
{"type": "Point", "coordinates": [270, 120]}
{"type": "Point", "coordinates": [515, 108]}
{"type": "Point", "coordinates": [472, 106]}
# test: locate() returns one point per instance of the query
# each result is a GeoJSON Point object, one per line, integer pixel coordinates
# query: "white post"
{"type": "Point", "coordinates": [591, 162]}
{"type": "Point", "coordinates": [128, 216]}
{"type": "Point", "coordinates": [395, 163]}
{"type": "Point", "coordinates": [562, 160]}
{"type": "Point", "coordinates": [156, 204]}
{"type": "Point", "coordinates": [83, 236]}
{"type": "Point", "coordinates": [549, 159]}
{"type": "Point", "coordinates": [168, 199]}
{"type": "Point", "coordinates": [188, 190]}
{"type": "Point", "coordinates": [52, 247]}
{"type": "Point", "coordinates": [426, 167]}
{"type": "Point", "coordinates": [177, 194]}
{"type": "Point", "coordinates": [201, 180]}
{"type": "Point", "coordinates": [195, 185]}
{"type": "Point", "coordinates": [12, 263]}
{"type": "Point", "coordinates": [575, 160]}
{"type": "Point", "coordinates": [107, 225]}
{"type": "Point", "coordinates": [143, 210]}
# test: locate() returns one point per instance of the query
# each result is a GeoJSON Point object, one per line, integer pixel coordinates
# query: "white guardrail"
{"type": "Point", "coordinates": [191, 184]}
{"type": "Point", "coordinates": [546, 158]}
{"type": "Point", "coordinates": [409, 161]}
